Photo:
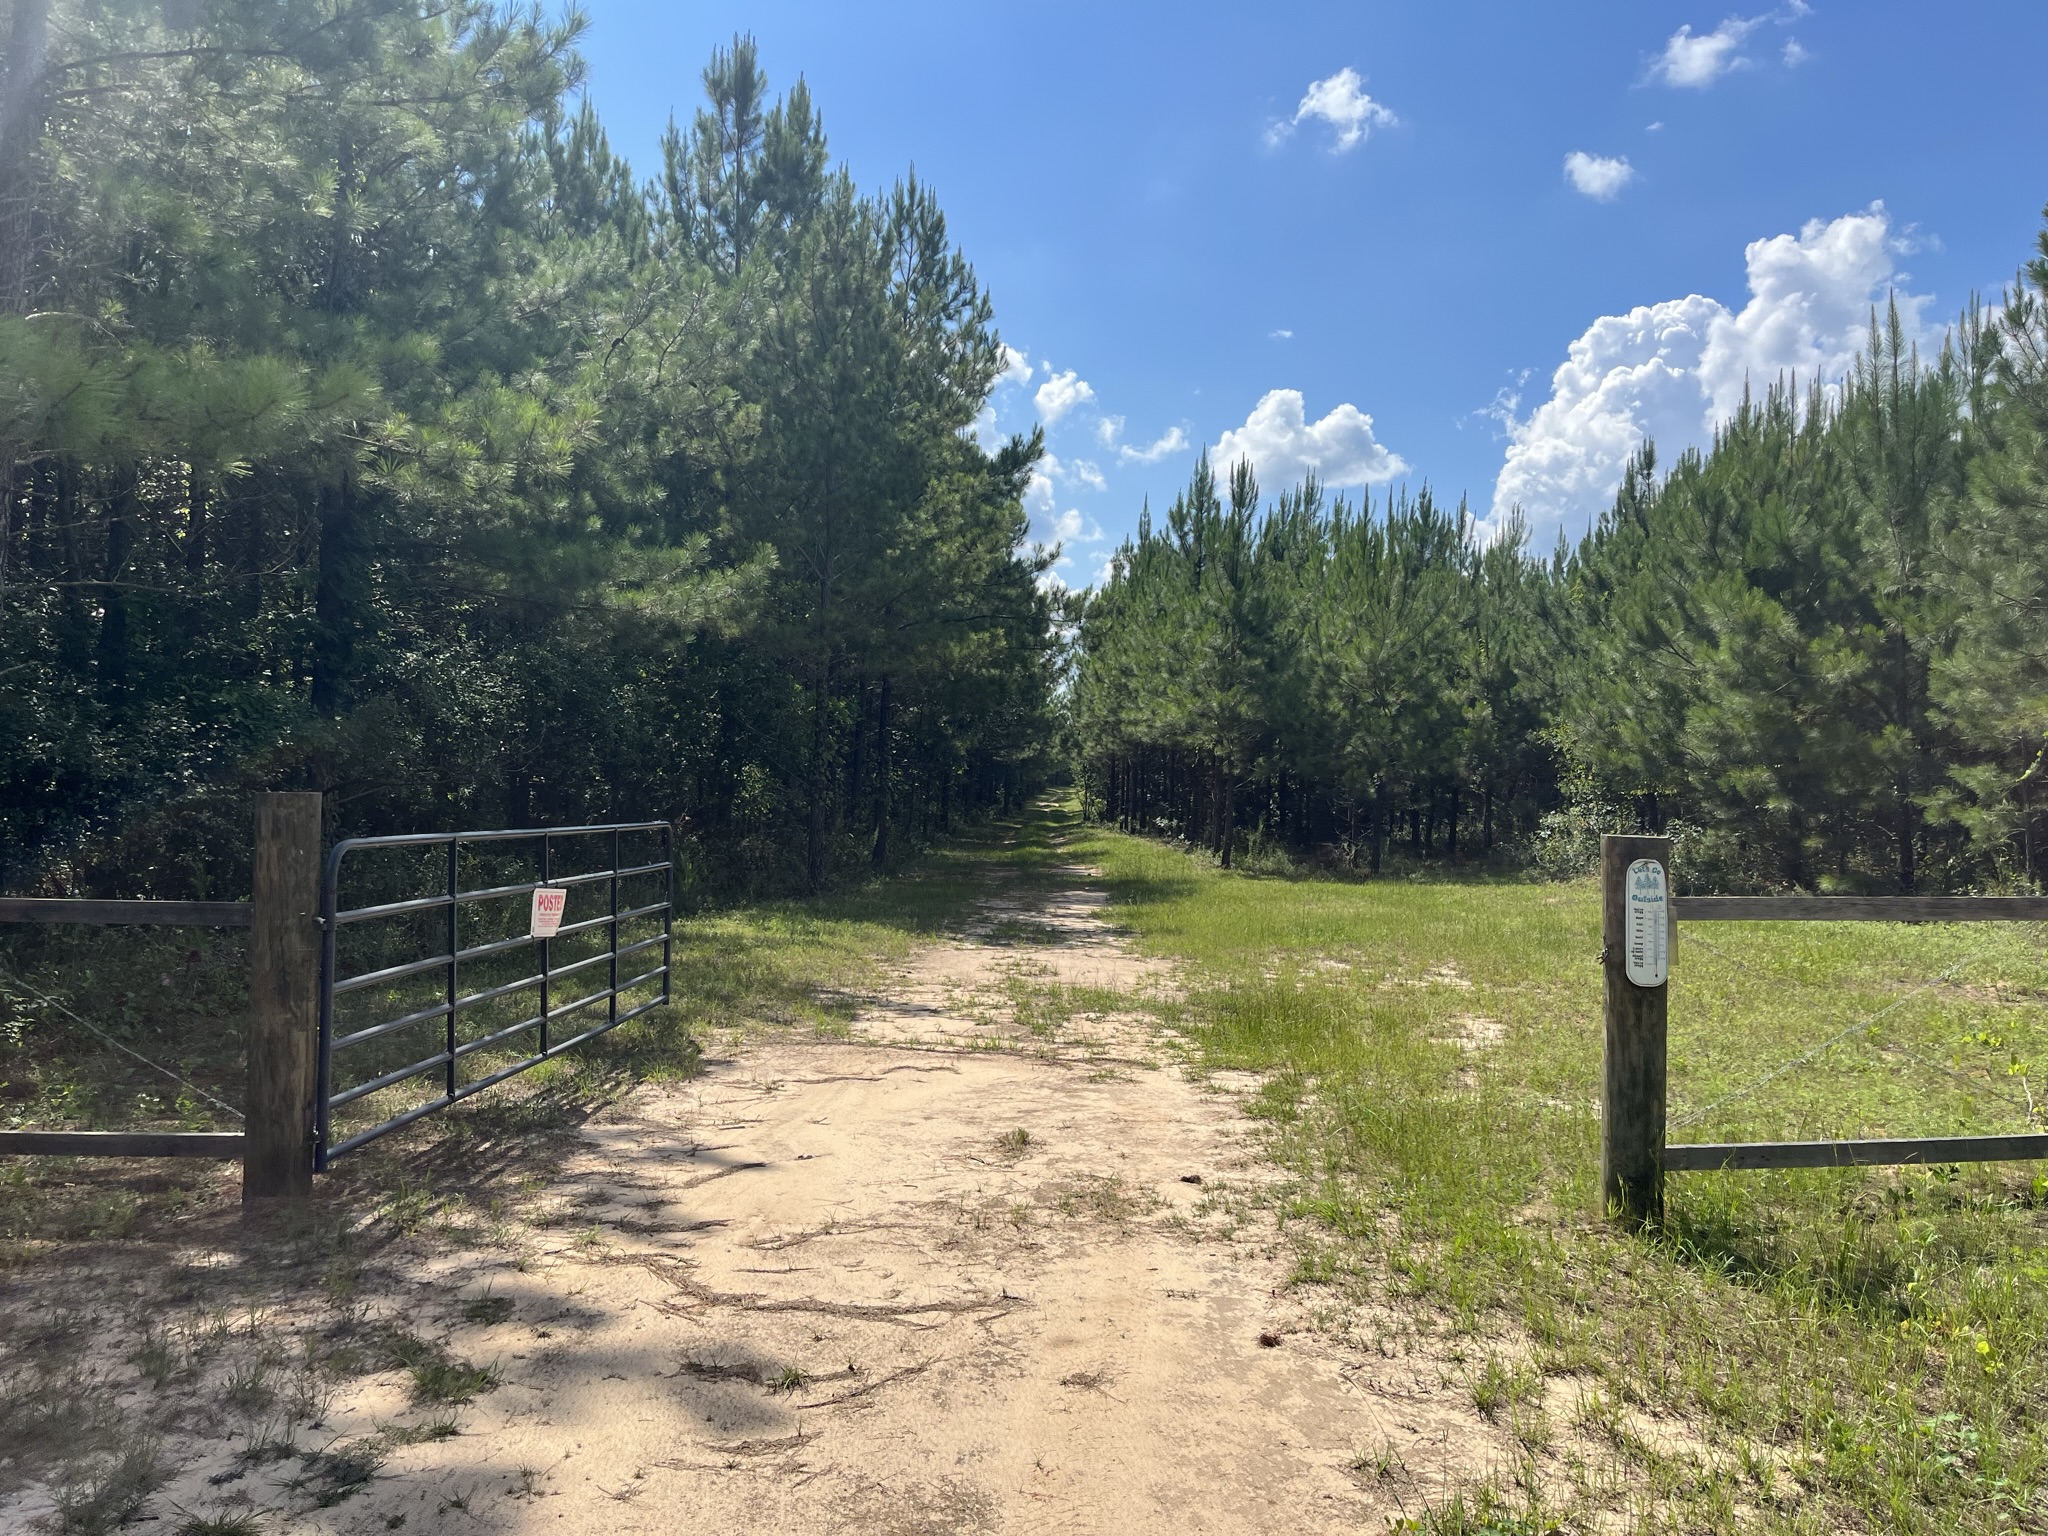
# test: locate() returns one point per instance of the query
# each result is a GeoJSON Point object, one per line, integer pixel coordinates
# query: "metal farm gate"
{"type": "Point", "coordinates": [435, 986]}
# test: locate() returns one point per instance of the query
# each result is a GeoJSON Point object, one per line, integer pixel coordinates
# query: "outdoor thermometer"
{"type": "Point", "coordinates": [1646, 951]}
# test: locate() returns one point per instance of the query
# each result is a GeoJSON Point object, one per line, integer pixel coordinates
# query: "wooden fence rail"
{"type": "Point", "coordinates": [1861, 909]}
{"type": "Point", "coordinates": [1634, 1156]}
{"type": "Point", "coordinates": [166, 914]}
{"type": "Point", "coordinates": [275, 1143]}
{"type": "Point", "coordinates": [220, 1144]}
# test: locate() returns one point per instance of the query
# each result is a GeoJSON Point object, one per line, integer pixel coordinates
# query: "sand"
{"type": "Point", "coordinates": [946, 1273]}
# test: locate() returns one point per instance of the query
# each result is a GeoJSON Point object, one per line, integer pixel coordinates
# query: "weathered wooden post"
{"type": "Point", "coordinates": [284, 998]}
{"type": "Point", "coordinates": [1635, 931]}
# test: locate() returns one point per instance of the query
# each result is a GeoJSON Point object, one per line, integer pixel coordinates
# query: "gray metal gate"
{"type": "Point", "coordinates": [381, 998]}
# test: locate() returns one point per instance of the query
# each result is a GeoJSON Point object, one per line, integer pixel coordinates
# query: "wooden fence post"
{"type": "Point", "coordinates": [1632, 1090]}
{"type": "Point", "coordinates": [284, 998]}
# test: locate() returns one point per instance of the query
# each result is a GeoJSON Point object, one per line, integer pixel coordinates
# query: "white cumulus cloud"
{"type": "Point", "coordinates": [1108, 429]}
{"type": "Point", "coordinates": [1172, 441]}
{"type": "Point", "coordinates": [1598, 176]}
{"type": "Point", "coordinates": [1341, 101]}
{"type": "Point", "coordinates": [1053, 471]}
{"type": "Point", "coordinates": [1016, 367]}
{"type": "Point", "coordinates": [1809, 308]}
{"type": "Point", "coordinates": [1070, 527]}
{"type": "Point", "coordinates": [1060, 393]}
{"type": "Point", "coordinates": [1041, 489]}
{"type": "Point", "coordinates": [1283, 444]}
{"type": "Point", "coordinates": [1671, 371]}
{"type": "Point", "coordinates": [1699, 60]}
{"type": "Point", "coordinates": [1064, 529]}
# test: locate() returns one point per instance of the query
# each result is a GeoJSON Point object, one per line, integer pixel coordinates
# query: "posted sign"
{"type": "Point", "coordinates": [1646, 951]}
{"type": "Point", "coordinates": [548, 902]}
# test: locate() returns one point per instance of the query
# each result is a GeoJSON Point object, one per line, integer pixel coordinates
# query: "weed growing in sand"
{"type": "Point", "coordinates": [411, 1204]}
{"type": "Point", "coordinates": [404, 1350]}
{"type": "Point", "coordinates": [452, 1381]}
{"type": "Point", "coordinates": [427, 1433]}
{"type": "Point", "coordinates": [53, 1412]}
{"type": "Point", "coordinates": [1382, 1464]}
{"type": "Point", "coordinates": [218, 1525]}
{"type": "Point", "coordinates": [156, 1357]}
{"type": "Point", "coordinates": [487, 1310]}
{"type": "Point", "coordinates": [1485, 1511]}
{"type": "Point", "coordinates": [1499, 1384]}
{"type": "Point", "coordinates": [100, 1495]}
{"type": "Point", "coordinates": [249, 1390]}
{"type": "Point", "coordinates": [341, 1471]}
{"type": "Point", "coordinates": [1099, 1197]}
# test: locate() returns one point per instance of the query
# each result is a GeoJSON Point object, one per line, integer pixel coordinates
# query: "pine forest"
{"type": "Point", "coordinates": [1816, 654]}
{"type": "Point", "coordinates": [369, 427]}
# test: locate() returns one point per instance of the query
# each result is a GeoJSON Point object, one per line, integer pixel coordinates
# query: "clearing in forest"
{"type": "Point", "coordinates": [1072, 1184]}
{"type": "Point", "coordinates": [962, 1241]}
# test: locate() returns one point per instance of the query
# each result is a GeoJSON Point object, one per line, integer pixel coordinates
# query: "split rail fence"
{"type": "Point", "coordinates": [1634, 1153]}
{"type": "Point", "coordinates": [294, 919]}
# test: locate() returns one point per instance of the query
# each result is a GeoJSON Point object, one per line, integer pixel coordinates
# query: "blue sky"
{"type": "Point", "coordinates": [1482, 246]}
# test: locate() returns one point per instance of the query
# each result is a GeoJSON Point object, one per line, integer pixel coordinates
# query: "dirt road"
{"type": "Point", "coordinates": [977, 1265]}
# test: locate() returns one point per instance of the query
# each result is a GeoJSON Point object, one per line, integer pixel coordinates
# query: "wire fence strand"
{"type": "Point", "coordinates": [1764, 1079]}
{"type": "Point", "coordinates": [7, 977]}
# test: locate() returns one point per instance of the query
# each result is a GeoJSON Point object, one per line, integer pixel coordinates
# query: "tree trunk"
{"type": "Point", "coordinates": [113, 642]}
{"type": "Point", "coordinates": [814, 821]}
{"type": "Point", "coordinates": [856, 757]}
{"type": "Point", "coordinates": [195, 521]}
{"type": "Point", "coordinates": [76, 640]}
{"type": "Point", "coordinates": [6, 520]}
{"type": "Point", "coordinates": [21, 120]}
{"type": "Point", "coordinates": [1226, 816]}
{"type": "Point", "coordinates": [1451, 824]}
{"type": "Point", "coordinates": [337, 595]}
{"type": "Point", "coordinates": [883, 769]}
{"type": "Point", "coordinates": [1908, 829]}
{"type": "Point", "coordinates": [249, 576]}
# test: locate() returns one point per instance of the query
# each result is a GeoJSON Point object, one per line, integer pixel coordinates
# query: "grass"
{"type": "Point", "coordinates": [108, 1494]}
{"type": "Point", "coordinates": [1791, 1352]}
{"type": "Point", "coordinates": [478, 1174]}
{"type": "Point", "coordinates": [177, 997]}
{"type": "Point", "coordinates": [1831, 1350]}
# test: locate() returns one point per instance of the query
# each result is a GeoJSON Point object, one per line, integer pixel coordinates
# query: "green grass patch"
{"type": "Point", "coordinates": [1846, 1349]}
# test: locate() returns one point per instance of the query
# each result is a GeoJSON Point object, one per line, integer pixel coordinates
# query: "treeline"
{"type": "Point", "coordinates": [1816, 653]}
{"type": "Point", "coordinates": [1316, 675]}
{"type": "Point", "coordinates": [365, 426]}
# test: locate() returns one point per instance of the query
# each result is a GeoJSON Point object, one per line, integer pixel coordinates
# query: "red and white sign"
{"type": "Point", "coordinates": [548, 902]}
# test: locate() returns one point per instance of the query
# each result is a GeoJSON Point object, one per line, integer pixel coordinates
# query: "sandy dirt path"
{"type": "Point", "coordinates": [948, 1273]}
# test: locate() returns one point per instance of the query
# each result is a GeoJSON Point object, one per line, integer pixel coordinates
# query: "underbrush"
{"type": "Point", "coordinates": [1796, 1351]}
